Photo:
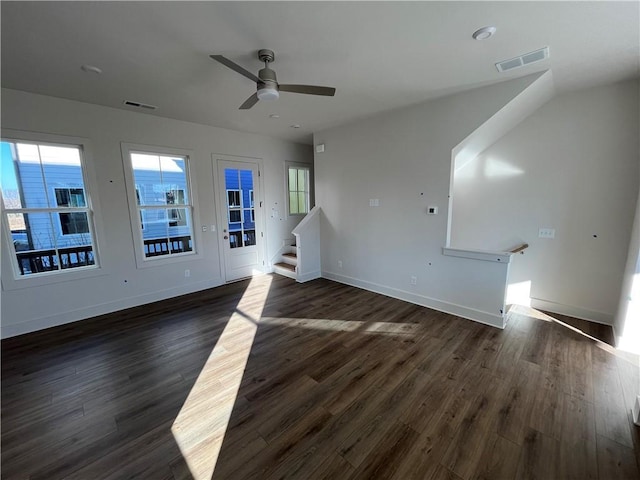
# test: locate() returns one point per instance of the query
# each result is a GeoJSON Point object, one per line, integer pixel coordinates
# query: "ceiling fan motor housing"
{"type": "Point", "coordinates": [267, 75]}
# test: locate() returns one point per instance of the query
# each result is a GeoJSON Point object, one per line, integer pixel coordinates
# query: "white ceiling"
{"type": "Point", "coordinates": [378, 55]}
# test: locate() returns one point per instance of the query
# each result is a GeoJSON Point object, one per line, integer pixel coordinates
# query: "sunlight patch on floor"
{"type": "Point", "coordinates": [201, 424]}
{"type": "Point", "coordinates": [314, 323]}
{"type": "Point", "coordinates": [380, 328]}
{"type": "Point", "coordinates": [518, 309]}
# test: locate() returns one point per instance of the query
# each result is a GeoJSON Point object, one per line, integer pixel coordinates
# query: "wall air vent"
{"type": "Point", "coordinates": [129, 103]}
{"type": "Point", "coordinates": [523, 60]}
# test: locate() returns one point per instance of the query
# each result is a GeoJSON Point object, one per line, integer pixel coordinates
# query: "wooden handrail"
{"type": "Point", "coordinates": [520, 249]}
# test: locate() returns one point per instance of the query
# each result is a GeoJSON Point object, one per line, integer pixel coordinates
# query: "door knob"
{"type": "Point", "coordinates": [226, 237]}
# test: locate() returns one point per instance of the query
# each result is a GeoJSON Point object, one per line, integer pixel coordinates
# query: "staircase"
{"type": "Point", "coordinates": [288, 263]}
{"type": "Point", "coordinates": [302, 260]}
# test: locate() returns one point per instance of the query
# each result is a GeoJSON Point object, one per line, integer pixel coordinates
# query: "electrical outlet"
{"type": "Point", "coordinates": [413, 280]}
{"type": "Point", "coordinates": [339, 263]}
{"type": "Point", "coordinates": [546, 233]}
{"type": "Point", "coordinates": [187, 273]}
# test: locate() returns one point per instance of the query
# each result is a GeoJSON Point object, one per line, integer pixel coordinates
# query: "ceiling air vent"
{"type": "Point", "coordinates": [140, 105]}
{"type": "Point", "coordinates": [523, 60]}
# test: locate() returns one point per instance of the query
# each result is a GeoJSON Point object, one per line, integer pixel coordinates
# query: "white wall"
{"type": "Point", "coordinates": [403, 158]}
{"type": "Point", "coordinates": [572, 166]}
{"type": "Point", "coordinates": [29, 309]}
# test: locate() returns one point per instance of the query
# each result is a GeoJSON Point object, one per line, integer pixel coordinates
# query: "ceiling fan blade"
{"type": "Point", "coordinates": [235, 67]}
{"type": "Point", "coordinates": [249, 102]}
{"type": "Point", "coordinates": [308, 89]}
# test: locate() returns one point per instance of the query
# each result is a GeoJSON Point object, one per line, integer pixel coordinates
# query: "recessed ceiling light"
{"type": "Point", "coordinates": [274, 115]}
{"type": "Point", "coordinates": [91, 69]}
{"type": "Point", "coordinates": [484, 33]}
{"type": "Point", "coordinates": [295, 126]}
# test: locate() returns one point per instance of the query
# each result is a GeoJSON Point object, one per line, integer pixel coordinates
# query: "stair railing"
{"type": "Point", "coordinates": [520, 249]}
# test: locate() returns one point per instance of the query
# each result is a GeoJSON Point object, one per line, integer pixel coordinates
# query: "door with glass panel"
{"type": "Point", "coordinates": [241, 227]}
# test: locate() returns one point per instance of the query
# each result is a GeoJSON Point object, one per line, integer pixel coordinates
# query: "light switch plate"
{"type": "Point", "coordinates": [547, 233]}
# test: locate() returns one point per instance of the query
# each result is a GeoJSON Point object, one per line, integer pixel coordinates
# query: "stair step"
{"type": "Point", "coordinates": [290, 255]}
{"type": "Point", "coordinates": [286, 266]}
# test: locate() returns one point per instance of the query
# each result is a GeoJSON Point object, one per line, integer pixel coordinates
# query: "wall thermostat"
{"type": "Point", "coordinates": [432, 210]}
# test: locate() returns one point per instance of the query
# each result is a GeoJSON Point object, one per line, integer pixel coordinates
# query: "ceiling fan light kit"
{"type": "Point", "coordinates": [268, 92]}
{"type": "Point", "coordinates": [267, 86]}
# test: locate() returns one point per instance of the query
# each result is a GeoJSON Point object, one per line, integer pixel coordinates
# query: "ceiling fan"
{"type": "Point", "coordinates": [267, 85]}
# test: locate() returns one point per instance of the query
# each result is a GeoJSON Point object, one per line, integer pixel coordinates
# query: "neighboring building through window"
{"type": "Point", "coordinates": [253, 211]}
{"type": "Point", "coordinates": [138, 196]}
{"type": "Point", "coordinates": [298, 188]}
{"type": "Point", "coordinates": [46, 207]}
{"type": "Point", "coordinates": [240, 208]}
{"type": "Point", "coordinates": [163, 208]}
{"type": "Point", "coordinates": [75, 222]}
{"type": "Point", "coordinates": [234, 204]}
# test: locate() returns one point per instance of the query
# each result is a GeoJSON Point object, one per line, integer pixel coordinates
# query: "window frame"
{"type": "Point", "coordinates": [309, 192]}
{"type": "Point", "coordinates": [11, 277]}
{"type": "Point", "coordinates": [135, 212]}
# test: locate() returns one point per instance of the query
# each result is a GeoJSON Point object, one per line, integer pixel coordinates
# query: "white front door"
{"type": "Point", "coordinates": [239, 211]}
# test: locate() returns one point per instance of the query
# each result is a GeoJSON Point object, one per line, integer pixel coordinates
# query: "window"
{"type": "Point", "coordinates": [234, 198]}
{"type": "Point", "coordinates": [252, 212]}
{"type": "Point", "coordinates": [46, 207]}
{"type": "Point", "coordinates": [240, 210]}
{"type": "Point", "coordinates": [176, 217]}
{"type": "Point", "coordinates": [75, 222]}
{"type": "Point", "coordinates": [234, 206]}
{"type": "Point", "coordinates": [161, 209]}
{"type": "Point", "coordinates": [138, 196]}
{"type": "Point", "coordinates": [298, 188]}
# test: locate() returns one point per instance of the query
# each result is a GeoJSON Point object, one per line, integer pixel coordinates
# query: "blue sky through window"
{"type": "Point", "coordinates": [7, 173]}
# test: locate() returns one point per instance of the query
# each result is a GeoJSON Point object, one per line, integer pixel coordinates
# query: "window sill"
{"type": "Point", "coordinates": [159, 260]}
{"type": "Point", "coordinates": [10, 282]}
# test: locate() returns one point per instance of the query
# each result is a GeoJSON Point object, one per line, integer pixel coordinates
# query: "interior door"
{"type": "Point", "coordinates": [239, 204]}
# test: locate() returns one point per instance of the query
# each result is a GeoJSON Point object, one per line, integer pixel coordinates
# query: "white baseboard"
{"type": "Point", "coordinates": [572, 311]}
{"type": "Point", "coordinates": [34, 325]}
{"type": "Point", "coordinates": [480, 316]}
{"type": "Point", "coordinates": [308, 276]}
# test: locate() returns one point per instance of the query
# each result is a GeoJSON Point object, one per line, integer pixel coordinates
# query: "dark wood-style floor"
{"type": "Point", "coordinates": [267, 379]}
